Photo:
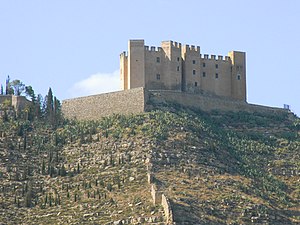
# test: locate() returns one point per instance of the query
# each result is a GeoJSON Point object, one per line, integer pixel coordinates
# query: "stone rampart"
{"type": "Point", "coordinates": [167, 209]}
{"type": "Point", "coordinates": [18, 102]}
{"type": "Point", "coordinates": [96, 106]}
{"type": "Point", "coordinates": [206, 102]}
{"type": "Point", "coordinates": [139, 100]}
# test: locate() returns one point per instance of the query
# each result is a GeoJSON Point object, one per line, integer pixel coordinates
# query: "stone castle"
{"type": "Point", "coordinates": [172, 74]}
{"type": "Point", "coordinates": [183, 68]}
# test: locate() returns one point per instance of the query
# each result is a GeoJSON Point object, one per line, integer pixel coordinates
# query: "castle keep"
{"type": "Point", "coordinates": [183, 68]}
{"type": "Point", "coordinates": [172, 74]}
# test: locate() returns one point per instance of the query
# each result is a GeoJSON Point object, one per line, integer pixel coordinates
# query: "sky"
{"type": "Point", "coordinates": [73, 46]}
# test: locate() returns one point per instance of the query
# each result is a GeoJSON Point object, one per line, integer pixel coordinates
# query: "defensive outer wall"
{"type": "Point", "coordinates": [18, 102]}
{"type": "Point", "coordinates": [139, 100]}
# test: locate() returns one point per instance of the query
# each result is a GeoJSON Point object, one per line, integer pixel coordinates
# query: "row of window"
{"type": "Point", "coordinates": [178, 59]}
{"type": "Point", "coordinates": [194, 62]}
{"type": "Point", "coordinates": [203, 75]}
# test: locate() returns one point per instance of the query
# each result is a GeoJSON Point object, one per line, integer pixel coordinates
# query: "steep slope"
{"type": "Point", "coordinates": [218, 168]}
{"type": "Point", "coordinates": [234, 168]}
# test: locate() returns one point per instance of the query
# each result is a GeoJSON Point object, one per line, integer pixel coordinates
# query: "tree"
{"type": "Point", "coordinates": [17, 86]}
{"type": "Point", "coordinates": [57, 111]}
{"type": "Point", "coordinates": [30, 93]}
{"type": "Point", "coordinates": [8, 89]}
{"type": "Point", "coordinates": [38, 105]}
{"type": "Point", "coordinates": [48, 106]}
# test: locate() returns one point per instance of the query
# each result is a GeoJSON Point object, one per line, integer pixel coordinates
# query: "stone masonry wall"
{"type": "Point", "coordinates": [207, 103]}
{"type": "Point", "coordinates": [96, 106]}
{"type": "Point", "coordinates": [18, 102]}
{"type": "Point", "coordinates": [138, 100]}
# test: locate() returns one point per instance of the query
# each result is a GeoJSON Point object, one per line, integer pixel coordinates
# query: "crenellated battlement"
{"type": "Point", "coordinates": [175, 44]}
{"type": "Point", "coordinates": [153, 49]}
{"type": "Point", "coordinates": [214, 57]}
{"type": "Point", "coordinates": [124, 54]}
{"type": "Point", "coordinates": [192, 48]}
{"type": "Point", "coordinates": [172, 44]}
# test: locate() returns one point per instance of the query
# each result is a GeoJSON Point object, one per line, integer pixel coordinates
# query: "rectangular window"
{"type": "Point", "coordinates": [194, 61]}
{"type": "Point", "coordinates": [157, 59]}
{"type": "Point", "coordinates": [157, 76]}
{"type": "Point", "coordinates": [217, 76]}
{"type": "Point", "coordinates": [203, 64]}
{"type": "Point", "coordinates": [178, 59]}
{"type": "Point", "coordinates": [203, 74]}
{"type": "Point", "coordinates": [178, 68]}
{"type": "Point", "coordinates": [196, 84]}
{"type": "Point", "coordinates": [238, 76]}
{"type": "Point", "coordinates": [217, 66]}
{"type": "Point", "coordinates": [194, 72]}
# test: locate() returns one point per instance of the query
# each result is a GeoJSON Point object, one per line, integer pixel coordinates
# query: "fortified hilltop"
{"type": "Point", "coordinates": [183, 68]}
{"type": "Point", "coordinates": [172, 73]}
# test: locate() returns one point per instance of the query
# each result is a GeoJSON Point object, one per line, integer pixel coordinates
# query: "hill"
{"type": "Point", "coordinates": [217, 168]}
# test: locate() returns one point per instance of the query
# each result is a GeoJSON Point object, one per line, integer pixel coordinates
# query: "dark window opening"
{"type": "Point", "coordinates": [203, 64]}
{"type": "Point", "coordinates": [238, 77]}
{"type": "Point", "coordinates": [217, 66]}
{"type": "Point", "coordinates": [157, 59]}
{"type": "Point", "coordinates": [178, 68]}
{"type": "Point", "coordinates": [217, 76]}
{"type": "Point", "coordinates": [194, 72]}
{"type": "Point", "coordinates": [196, 84]}
{"type": "Point", "coordinates": [178, 59]}
{"type": "Point", "coordinates": [157, 76]}
{"type": "Point", "coordinates": [204, 74]}
{"type": "Point", "coordinates": [194, 61]}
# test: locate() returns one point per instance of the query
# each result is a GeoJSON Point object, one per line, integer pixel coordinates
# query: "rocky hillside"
{"type": "Point", "coordinates": [218, 168]}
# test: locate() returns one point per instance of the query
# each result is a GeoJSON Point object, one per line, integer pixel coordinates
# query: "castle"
{"type": "Point", "coordinates": [171, 74]}
{"type": "Point", "coordinates": [183, 68]}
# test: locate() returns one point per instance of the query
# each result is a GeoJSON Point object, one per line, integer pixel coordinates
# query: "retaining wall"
{"type": "Point", "coordinates": [206, 102]}
{"type": "Point", "coordinates": [138, 100]}
{"type": "Point", "coordinates": [18, 102]}
{"type": "Point", "coordinates": [96, 106]}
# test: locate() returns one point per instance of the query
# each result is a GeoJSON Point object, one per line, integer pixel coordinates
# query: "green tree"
{"type": "Point", "coordinates": [38, 105]}
{"type": "Point", "coordinates": [30, 93]}
{"type": "Point", "coordinates": [8, 89]}
{"type": "Point", "coordinates": [49, 106]}
{"type": "Point", "coordinates": [17, 86]}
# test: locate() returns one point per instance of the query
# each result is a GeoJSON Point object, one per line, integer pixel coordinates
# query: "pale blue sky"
{"type": "Point", "coordinates": [74, 45]}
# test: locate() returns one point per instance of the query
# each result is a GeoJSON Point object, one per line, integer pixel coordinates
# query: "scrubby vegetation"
{"type": "Point", "coordinates": [218, 168]}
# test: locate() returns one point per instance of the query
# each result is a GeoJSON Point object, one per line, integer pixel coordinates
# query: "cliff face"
{"type": "Point", "coordinates": [217, 168]}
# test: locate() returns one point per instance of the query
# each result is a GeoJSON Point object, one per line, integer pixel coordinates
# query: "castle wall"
{"type": "Point", "coordinates": [4, 98]}
{"type": "Point", "coordinates": [18, 102]}
{"type": "Point", "coordinates": [163, 67]}
{"type": "Point", "coordinates": [154, 64]}
{"type": "Point", "coordinates": [205, 102]}
{"type": "Point", "coordinates": [139, 100]}
{"type": "Point", "coordinates": [96, 106]}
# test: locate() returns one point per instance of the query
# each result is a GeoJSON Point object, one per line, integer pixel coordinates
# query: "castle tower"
{"type": "Point", "coordinates": [238, 75]}
{"type": "Point", "coordinates": [136, 64]}
{"type": "Point", "coordinates": [191, 79]}
{"type": "Point", "coordinates": [172, 65]}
